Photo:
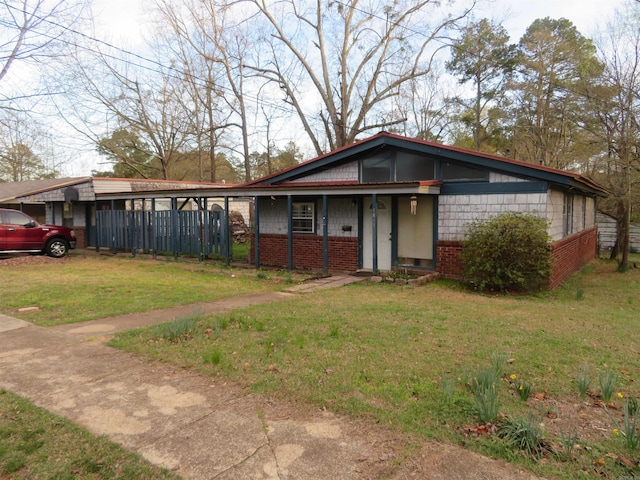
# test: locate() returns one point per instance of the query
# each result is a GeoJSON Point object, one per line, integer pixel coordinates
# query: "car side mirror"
{"type": "Point", "coordinates": [31, 224]}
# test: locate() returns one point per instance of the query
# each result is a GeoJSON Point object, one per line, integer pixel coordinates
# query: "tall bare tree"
{"type": "Point", "coordinates": [33, 30]}
{"type": "Point", "coordinates": [339, 65]}
{"type": "Point", "coordinates": [218, 48]}
{"type": "Point", "coordinates": [616, 102]}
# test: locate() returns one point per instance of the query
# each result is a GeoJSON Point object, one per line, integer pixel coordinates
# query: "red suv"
{"type": "Point", "coordinates": [19, 233]}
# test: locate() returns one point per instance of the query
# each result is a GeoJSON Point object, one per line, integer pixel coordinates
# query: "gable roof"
{"type": "Point", "coordinates": [569, 180]}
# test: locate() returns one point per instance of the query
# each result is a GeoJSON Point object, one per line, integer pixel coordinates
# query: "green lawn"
{"type": "Point", "coordinates": [402, 356]}
{"type": "Point", "coordinates": [88, 286]}
{"type": "Point", "coordinates": [36, 445]}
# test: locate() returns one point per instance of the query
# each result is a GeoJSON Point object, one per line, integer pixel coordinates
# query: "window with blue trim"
{"type": "Point", "coordinates": [303, 217]}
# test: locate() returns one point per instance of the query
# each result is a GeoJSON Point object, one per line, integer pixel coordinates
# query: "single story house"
{"type": "Point", "coordinates": [383, 203]}
{"type": "Point", "coordinates": [392, 202]}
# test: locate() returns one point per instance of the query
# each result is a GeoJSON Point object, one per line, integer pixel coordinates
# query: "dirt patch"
{"type": "Point", "coordinates": [19, 260]}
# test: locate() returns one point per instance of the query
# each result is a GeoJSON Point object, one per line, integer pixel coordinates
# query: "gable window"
{"type": "Point", "coordinates": [376, 169]}
{"type": "Point", "coordinates": [397, 166]}
{"type": "Point", "coordinates": [303, 217]}
{"type": "Point", "coordinates": [411, 168]}
{"type": "Point", "coordinates": [460, 173]}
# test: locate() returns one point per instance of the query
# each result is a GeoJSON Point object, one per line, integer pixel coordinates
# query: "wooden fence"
{"type": "Point", "coordinates": [178, 232]}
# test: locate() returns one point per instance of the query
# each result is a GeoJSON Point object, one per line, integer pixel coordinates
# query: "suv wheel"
{"type": "Point", "coordinates": [57, 248]}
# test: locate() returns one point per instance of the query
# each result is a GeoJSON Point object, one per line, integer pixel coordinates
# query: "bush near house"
{"type": "Point", "coordinates": [508, 252]}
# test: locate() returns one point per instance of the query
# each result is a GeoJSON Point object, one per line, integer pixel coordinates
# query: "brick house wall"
{"type": "Point", "coordinates": [567, 256]}
{"type": "Point", "coordinates": [307, 252]}
{"type": "Point", "coordinates": [448, 260]}
{"type": "Point", "coordinates": [572, 253]}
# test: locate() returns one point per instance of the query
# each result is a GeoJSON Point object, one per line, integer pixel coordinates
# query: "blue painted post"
{"type": "Point", "coordinates": [227, 230]}
{"type": "Point", "coordinates": [256, 227]}
{"type": "Point", "coordinates": [290, 233]}
{"type": "Point", "coordinates": [325, 234]}
{"type": "Point", "coordinates": [112, 213]}
{"type": "Point", "coordinates": [174, 227]}
{"type": "Point", "coordinates": [374, 232]}
{"type": "Point", "coordinates": [98, 233]}
{"type": "Point", "coordinates": [435, 232]}
{"type": "Point", "coordinates": [205, 228]}
{"type": "Point", "coordinates": [132, 228]}
{"type": "Point", "coordinates": [154, 233]}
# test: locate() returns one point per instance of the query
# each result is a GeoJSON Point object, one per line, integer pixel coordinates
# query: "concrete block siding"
{"type": "Point", "coordinates": [347, 172]}
{"type": "Point", "coordinates": [455, 212]}
{"type": "Point", "coordinates": [342, 213]}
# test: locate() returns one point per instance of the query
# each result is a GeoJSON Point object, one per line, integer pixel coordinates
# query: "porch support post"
{"type": "Point", "coordinates": [98, 228]}
{"type": "Point", "coordinates": [227, 229]}
{"type": "Point", "coordinates": [435, 231]}
{"type": "Point", "coordinates": [325, 234]}
{"type": "Point", "coordinates": [374, 232]}
{"type": "Point", "coordinates": [132, 228]}
{"type": "Point", "coordinates": [174, 227]}
{"type": "Point", "coordinates": [290, 233]}
{"type": "Point", "coordinates": [201, 228]}
{"type": "Point", "coordinates": [206, 244]}
{"type": "Point", "coordinates": [113, 226]}
{"type": "Point", "coordinates": [256, 232]}
{"type": "Point", "coordinates": [154, 233]}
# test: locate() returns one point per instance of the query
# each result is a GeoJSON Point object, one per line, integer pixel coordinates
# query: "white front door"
{"type": "Point", "coordinates": [383, 233]}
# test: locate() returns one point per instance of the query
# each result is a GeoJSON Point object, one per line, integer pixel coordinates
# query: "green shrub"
{"type": "Point", "coordinates": [508, 252]}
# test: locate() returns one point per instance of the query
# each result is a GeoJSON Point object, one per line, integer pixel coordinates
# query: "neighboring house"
{"type": "Point", "coordinates": [608, 233]}
{"type": "Point", "coordinates": [391, 202]}
{"type": "Point", "coordinates": [73, 201]}
{"type": "Point", "coordinates": [17, 195]}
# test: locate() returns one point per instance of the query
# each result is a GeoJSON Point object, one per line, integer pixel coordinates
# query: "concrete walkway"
{"type": "Point", "coordinates": [203, 427]}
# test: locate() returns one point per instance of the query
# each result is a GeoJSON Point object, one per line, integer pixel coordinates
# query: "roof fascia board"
{"type": "Point", "coordinates": [258, 191]}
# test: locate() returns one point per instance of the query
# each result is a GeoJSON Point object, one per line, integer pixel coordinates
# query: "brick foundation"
{"type": "Point", "coordinates": [81, 237]}
{"type": "Point", "coordinates": [307, 252]}
{"type": "Point", "coordinates": [567, 256]}
{"type": "Point", "coordinates": [572, 253]}
{"type": "Point", "coordinates": [448, 260]}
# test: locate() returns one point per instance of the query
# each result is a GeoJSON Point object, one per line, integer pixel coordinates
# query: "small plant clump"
{"type": "Point", "coordinates": [608, 381]}
{"type": "Point", "coordinates": [483, 384]}
{"type": "Point", "coordinates": [522, 388]}
{"type": "Point", "coordinates": [568, 441]}
{"type": "Point", "coordinates": [584, 381]}
{"type": "Point", "coordinates": [630, 425]}
{"type": "Point", "coordinates": [523, 434]}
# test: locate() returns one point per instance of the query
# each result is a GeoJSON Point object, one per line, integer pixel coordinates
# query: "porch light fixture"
{"type": "Point", "coordinates": [414, 204]}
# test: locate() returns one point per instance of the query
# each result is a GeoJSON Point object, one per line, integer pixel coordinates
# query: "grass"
{"type": "Point", "coordinates": [36, 445]}
{"type": "Point", "coordinates": [400, 356]}
{"type": "Point", "coordinates": [383, 351]}
{"type": "Point", "coordinates": [88, 286]}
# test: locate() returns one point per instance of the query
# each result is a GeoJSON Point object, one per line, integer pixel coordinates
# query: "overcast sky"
{"type": "Point", "coordinates": [122, 22]}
